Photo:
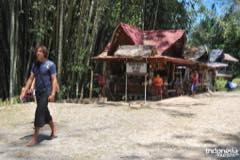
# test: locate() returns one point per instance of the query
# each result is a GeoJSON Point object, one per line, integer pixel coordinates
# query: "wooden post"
{"type": "Point", "coordinates": [173, 73]}
{"type": "Point", "coordinates": [181, 80]}
{"type": "Point", "coordinates": [145, 83]}
{"type": "Point", "coordinates": [126, 84]}
{"type": "Point", "coordinates": [91, 85]}
{"type": "Point", "coordinates": [104, 75]}
{"type": "Point", "coordinates": [145, 90]}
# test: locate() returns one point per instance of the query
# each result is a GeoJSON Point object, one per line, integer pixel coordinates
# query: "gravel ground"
{"type": "Point", "coordinates": [185, 128]}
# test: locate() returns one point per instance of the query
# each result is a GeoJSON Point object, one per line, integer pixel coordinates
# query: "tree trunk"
{"type": "Point", "coordinates": [85, 43]}
{"type": "Point", "coordinates": [88, 23]}
{"type": "Point", "coordinates": [13, 47]}
{"type": "Point", "coordinates": [60, 42]}
{"type": "Point", "coordinates": [143, 14]}
{"type": "Point", "coordinates": [97, 20]}
{"type": "Point", "coordinates": [91, 85]}
{"type": "Point", "coordinates": [156, 15]}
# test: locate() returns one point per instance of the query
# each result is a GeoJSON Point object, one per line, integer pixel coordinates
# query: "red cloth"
{"type": "Point", "coordinates": [195, 78]}
{"type": "Point", "coordinates": [101, 80]}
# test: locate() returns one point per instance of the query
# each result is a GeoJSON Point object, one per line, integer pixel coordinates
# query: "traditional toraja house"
{"type": "Point", "coordinates": [207, 72]}
{"type": "Point", "coordinates": [221, 62]}
{"type": "Point", "coordinates": [133, 57]}
{"type": "Point", "coordinates": [224, 62]}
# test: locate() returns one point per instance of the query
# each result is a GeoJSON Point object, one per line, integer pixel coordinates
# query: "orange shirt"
{"type": "Point", "coordinates": [157, 81]}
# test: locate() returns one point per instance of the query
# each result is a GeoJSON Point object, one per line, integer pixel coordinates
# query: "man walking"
{"type": "Point", "coordinates": [46, 86]}
{"type": "Point", "coordinates": [194, 79]}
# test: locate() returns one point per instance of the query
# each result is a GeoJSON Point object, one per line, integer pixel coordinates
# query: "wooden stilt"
{"type": "Point", "coordinates": [91, 85]}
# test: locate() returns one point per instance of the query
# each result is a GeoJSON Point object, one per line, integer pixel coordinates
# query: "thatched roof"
{"type": "Point", "coordinates": [195, 53]}
{"type": "Point", "coordinates": [215, 55]}
{"type": "Point", "coordinates": [217, 65]}
{"type": "Point", "coordinates": [135, 51]}
{"type": "Point", "coordinates": [228, 57]}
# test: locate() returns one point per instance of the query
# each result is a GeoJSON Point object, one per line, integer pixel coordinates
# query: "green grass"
{"type": "Point", "coordinates": [14, 100]}
{"type": "Point", "coordinates": [221, 82]}
{"type": "Point", "coordinates": [237, 80]}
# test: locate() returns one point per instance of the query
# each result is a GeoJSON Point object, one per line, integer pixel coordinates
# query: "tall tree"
{"type": "Point", "coordinates": [60, 42]}
{"type": "Point", "coordinates": [73, 31]}
{"type": "Point", "coordinates": [13, 46]}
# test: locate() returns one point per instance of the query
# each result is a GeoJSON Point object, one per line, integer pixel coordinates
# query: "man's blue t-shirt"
{"type": "Point", "coordinates": [46, 68]}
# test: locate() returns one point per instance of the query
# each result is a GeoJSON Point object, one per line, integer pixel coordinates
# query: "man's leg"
{"type": "Point", "coordinates": [34, 139]}
{"type": "Point", "coordinates": [49, 121]}
{"type": "Point", "coordinates": [192, 90]}
{"type": "Point", "coordinates": [161, 93]}
{"type": "Point", "coordinates": [156, 91]}
{"type": "Point", "coordinates": [53, 129]}
{"type": "Point", "coordinates": [39, 117]}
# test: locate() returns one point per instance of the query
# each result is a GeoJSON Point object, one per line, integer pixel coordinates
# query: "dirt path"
{"type": "Point", "coordinates": [182, 128]}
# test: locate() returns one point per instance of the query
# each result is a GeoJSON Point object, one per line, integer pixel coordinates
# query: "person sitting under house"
{"type": "Point", "coordinates": [231, 85]}
{"type": "Point", "coordinates": [158, 85]}
{"type": "Point", "coordinates": [178, 87]}
{"type": "Point", "coordinates": [101, 82]}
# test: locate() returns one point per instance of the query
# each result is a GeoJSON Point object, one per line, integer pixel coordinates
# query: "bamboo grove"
{"type": "Point", "coordinates": [74, 31]}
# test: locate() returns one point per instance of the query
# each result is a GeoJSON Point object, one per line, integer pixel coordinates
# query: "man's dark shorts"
{"type": "Point", "coordinates": [194, 88]}
{"type": "Point", "coordinates": [42, 114]}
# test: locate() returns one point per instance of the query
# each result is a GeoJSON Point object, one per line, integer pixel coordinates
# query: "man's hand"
{"type": "Point", "coordinates": [23, 93]}
{"type": "Point", "coordinates": [51, 98]}
{"type": "Point", "coordinates": [27, 86]}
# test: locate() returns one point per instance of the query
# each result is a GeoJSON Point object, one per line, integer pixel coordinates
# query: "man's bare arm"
{"type": "Point", "coordinates": [51, 98]}
{"type": "Point", "coordinates": [54, 84]}
{"type": "Point", "coordinates": [33, 85]}
{"type": "Point", "coordinates": [27, 86]}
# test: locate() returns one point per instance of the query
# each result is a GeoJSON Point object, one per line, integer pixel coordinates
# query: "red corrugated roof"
{"type": "Point", "coordinates": [126, 34]}
{"type": "Point", "coordinates": [163, 39]}
{"type": "Point", "coordinates": [133, 32]}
